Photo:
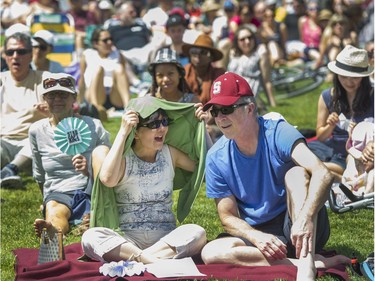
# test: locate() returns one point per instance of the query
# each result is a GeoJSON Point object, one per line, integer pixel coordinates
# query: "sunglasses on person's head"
{"type": "Point", "coordinates": [225, 110]}
{"type": "Point", "coordinates": [157, 123]}
{"type": "Point", "coordinates": [41, 47]}
{"type": "Point", "coordinates": [106, 40]}
{"type": "Point", "coordinates": [199, 52]}
{"type": "Point", "coordinates": [53, 95]}
{"type": "Point", "coordinates": [51, 82]}
{"type": "Point", "coordinates": [20, 52]}
{"type": "Point", "coordinates": [246, 37]}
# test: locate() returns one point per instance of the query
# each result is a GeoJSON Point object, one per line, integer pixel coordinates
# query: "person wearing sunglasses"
{"type": "Point", "coordinates": [21, 105]}
{"type": "Point", "coordinates": [42, 46]}
{"type": "Point", "coordinates": [252, 61]}
{"type": "Point", "coordinates": [269, 188]}
{"type": "Point", "coordinates": [65, 180]}
{"type": "Point", "coordinates": [104, 80]}
{"type": "Point", "coordinates": [140, 170]}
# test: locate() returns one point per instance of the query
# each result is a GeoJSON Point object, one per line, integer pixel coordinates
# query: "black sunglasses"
{"type": "Point", "coordinates": [20, 52]}
{"type": "Point", "coordinates": [225, 110]}
{"type": "Point", "coordinates": [105, 40]}
{"type": "Point", "coordinates": [244, 38]}
{"type": "Point", "coordinates": [50, 82]}
{"type": "Point", "coordinates": [157, 123]}
{"type": "Point", "coordinates": [41, 47]}
{"type": "Point", "coordinates": [370, 54]}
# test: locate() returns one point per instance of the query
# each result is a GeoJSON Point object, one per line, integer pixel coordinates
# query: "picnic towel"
{"type": "Point", "coordinates": [73, 270]}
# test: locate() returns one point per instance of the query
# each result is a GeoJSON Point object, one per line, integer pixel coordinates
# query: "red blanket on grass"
{"type": "Point", "coordinates": [71, 269]}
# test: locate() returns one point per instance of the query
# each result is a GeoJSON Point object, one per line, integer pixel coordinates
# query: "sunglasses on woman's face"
{"type": "Point", "coordinates": [20, 52]}
{"type": "Point", "coordinates": [199, 52]}
{"type": "Point", "coordinates": [106, 40]}
{"type": "Point", "coordinates": [50, 82]}
{"type": "Point", "coordinates": [225, 110]}
{"type": "Point", "coordinates": [157, 123]}
{"type": "Point", "coordinates": [243, 39]}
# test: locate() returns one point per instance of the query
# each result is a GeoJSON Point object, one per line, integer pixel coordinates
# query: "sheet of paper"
{"type": "Point", "coordinates": [174, 268]}
{"type": "Point", "coordinates": [343, 123]}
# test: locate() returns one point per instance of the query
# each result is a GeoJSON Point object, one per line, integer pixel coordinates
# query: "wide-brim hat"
{"type": "Point", "coordinates": [203, 41]}
{"type": "Point", "coordinates": [351, 62]}
{"type": "Point", "coordinates": [59, 85]}
{"type": "Point", "coordinates": [210, 5]}
{"type": "Point", "coordinates": [324, 14]}
{"type": "Point", "coordinates": [166, 55]}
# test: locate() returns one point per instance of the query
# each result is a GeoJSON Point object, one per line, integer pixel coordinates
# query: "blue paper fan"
{"type": "Point", "coordinates": [72, 136]}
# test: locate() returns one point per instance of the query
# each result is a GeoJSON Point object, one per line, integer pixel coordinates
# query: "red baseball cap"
{"type": "Point", "coordinates": [227, 89]}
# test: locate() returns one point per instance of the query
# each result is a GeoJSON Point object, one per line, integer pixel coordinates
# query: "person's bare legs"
{"type": "Point", "coordinates": [233, 250]}
{"type": "Point", "coordinates": [57, 216]}
{"type": "Point", "coordinates": [297, 182]}
{"type": "Point", "coordinates": [119, 95]}
{"type": "Point", "coordinates": [96, 95]}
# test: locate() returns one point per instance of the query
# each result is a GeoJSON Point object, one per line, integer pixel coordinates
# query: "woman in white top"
{"type": "Point", "coordinates": [103, 80]}
{"type": "Point", "coordinates": [251, 61]}
{"type": "Point", "coordinates": [143, 184]}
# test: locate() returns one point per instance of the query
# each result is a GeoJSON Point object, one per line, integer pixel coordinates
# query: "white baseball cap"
{"type": "Point", "coordinates": [45, 35]}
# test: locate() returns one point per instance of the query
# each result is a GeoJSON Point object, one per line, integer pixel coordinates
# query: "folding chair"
{"type": "Point", "coordinates": [352, 201]}
{"type": "Point", "coordinates": [62, 26]}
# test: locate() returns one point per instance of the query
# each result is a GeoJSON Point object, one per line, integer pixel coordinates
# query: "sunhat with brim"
{"type": "Point", "coordinates": [61, 82]}
{"type": "Point", "coordinates": [324, 14]}
{"type": "Point", "coordinates": [227, 89]}
{"type": "Point", "coordinates": [351, 62]}
{"type": "Point", "coordinates": [163, 56]}
{"type": "Point", "coordinates": [210, 6]}
{"type": "Point", "coordinates": [203, 41]}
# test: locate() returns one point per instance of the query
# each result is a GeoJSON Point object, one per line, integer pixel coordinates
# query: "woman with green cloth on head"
{"type": "Point", "coordinates": [159, 138]}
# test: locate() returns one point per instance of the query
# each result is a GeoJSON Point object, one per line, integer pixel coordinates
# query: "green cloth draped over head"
{"type": "Point", "coordinates": [186, 133]}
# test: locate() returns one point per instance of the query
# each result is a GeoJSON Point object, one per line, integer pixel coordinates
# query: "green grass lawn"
{"type": "Point", "coordinates": [352, 232]}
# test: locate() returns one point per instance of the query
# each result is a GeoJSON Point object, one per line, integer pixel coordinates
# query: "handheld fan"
{"type": "Point", "coordinates": [72, 136]}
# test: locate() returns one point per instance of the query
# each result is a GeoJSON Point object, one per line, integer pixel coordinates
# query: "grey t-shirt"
{"type": "Point", "coordinates": [53, 168]}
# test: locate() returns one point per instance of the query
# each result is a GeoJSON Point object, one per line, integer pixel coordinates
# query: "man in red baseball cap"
{"type": "Point", "coordinates": [268, 186]}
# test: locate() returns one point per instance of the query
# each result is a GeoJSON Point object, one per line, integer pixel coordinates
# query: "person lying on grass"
{"type": "Point", "coordinates": [269, 188]}
{"type": "Point", "coordinates": [143, 181]}
{"type": "Point", "coordinates": [63, 179]}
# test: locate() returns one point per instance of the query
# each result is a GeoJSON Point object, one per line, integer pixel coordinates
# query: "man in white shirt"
{"type": "Point", "coordinates": [21, 105]}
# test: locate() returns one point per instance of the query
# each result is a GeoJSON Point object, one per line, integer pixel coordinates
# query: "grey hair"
{"type": "Point", "coordinates": [250, 99]}
{"type": "Point", "coordinates": [19, 36]}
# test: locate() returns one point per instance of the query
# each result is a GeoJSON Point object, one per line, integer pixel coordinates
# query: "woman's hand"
{"type": "Point", "coordinates": [333, 119]}
{"type": "Point", "coordinates": [200, 114]}
{"type": "Point", "coordinates": [129, 120]}
{"type": "Point", "coordinates": [80, 164]}
{"type": "Point", "coordinates": [368, 156]}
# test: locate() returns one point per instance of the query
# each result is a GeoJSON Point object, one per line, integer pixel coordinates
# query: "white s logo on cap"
{"type": "Point", "coordinates": [216, 88]}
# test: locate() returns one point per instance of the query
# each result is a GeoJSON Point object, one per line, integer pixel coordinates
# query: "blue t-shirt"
{"type": "Point", "coordinates": [256, 181]}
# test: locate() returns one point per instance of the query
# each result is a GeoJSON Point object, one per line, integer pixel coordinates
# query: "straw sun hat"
{"type": "Point", "coordinates": [352, 62]}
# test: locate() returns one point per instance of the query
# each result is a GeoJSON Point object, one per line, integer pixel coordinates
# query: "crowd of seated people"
{"type": "Point", "coordinates": [133, 45]}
